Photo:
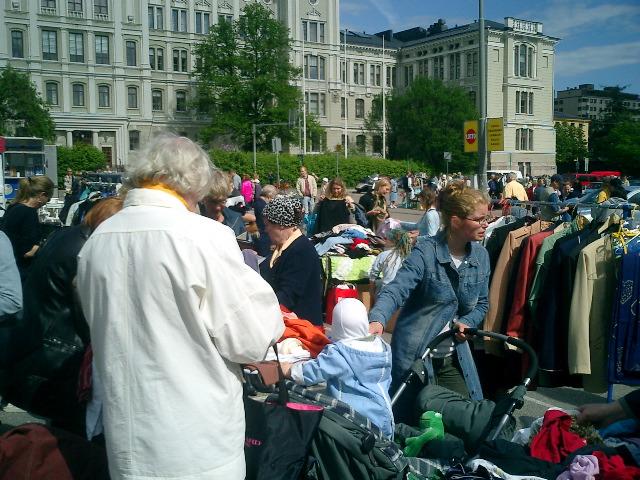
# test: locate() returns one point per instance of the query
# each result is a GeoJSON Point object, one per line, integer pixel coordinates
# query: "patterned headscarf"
{"type": "Point", "coordinates": [283, 211]}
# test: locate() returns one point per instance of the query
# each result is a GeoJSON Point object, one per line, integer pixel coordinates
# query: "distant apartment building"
{"type": "Point", "coordinates": [574, 121]}
{"type": "Point", "coordinates": [585, 101]}
{"type": "Point", "coordinates": [115, 72]}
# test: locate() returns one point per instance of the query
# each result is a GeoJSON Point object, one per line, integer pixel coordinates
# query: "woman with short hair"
{"type": "Point", "coordinates": [442, 285]}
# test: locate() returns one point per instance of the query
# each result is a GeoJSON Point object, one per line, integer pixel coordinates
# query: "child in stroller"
{"type": "Point", "coordinates": [356, 367]}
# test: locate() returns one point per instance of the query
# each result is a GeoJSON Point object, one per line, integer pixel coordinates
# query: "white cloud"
{"type": "Point", "coordinates": [589, 59]}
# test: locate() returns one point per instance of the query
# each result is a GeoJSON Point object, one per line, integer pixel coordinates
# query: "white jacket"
{"type": "Point", "coordinates": [173, 309]}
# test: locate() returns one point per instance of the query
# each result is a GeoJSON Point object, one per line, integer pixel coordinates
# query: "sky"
{"type": "Point", "coordinates": [599, 39]}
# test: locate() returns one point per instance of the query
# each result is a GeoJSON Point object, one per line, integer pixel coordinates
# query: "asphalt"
{"type": "Point", "coordinates": [535, 403]}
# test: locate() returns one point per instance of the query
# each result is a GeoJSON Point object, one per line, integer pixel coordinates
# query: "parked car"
{"type": "Point", "coordinates": [367, 184]}
{"type": "Point", "coordinates": [584, 178]}
{"type": "Point", "coordinates": [633, 194]}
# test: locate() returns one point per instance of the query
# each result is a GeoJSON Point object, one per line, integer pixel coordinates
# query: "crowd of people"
{"type": "Point", "coordinates": [153, 299]}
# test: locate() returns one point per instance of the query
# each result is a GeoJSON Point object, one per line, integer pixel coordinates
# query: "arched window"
{"type": "Point", "coordinates": [523, 60]}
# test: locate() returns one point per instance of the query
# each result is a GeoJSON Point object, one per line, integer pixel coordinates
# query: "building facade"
{"type": "Point", "coordinates": [587, 102]}
{"type": "Point", "coordinates": [115, 71]}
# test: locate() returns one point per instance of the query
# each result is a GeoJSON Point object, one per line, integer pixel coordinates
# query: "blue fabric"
{"type": "Point", "coordinates": [428, 225]}
{"type": "Point", "coordinates": [233, 220]}
{"type": "Point", "coordinates": [11, 289]}
{"type": "Point", "coordinates": [324, 247]}
{"type": "Point", "coordinates": [624, 348]}
{"type": "Point", "coordinates": [358, 378]}
{"type": "Point", "coordinates": [354, 234]}
{"type": "Point", "coordinates": [433, 294]}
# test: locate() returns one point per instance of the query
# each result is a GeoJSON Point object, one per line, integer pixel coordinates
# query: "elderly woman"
{"type": "Point", "coordinates": [173, 310]}
{"type": "Point", "coordinates": [375, 203]}
{"type": "Point", "coordinates": [45, 381]}
{"type": "Point", "coordinates": [293, 268]}
{"type": "Point", "coordinates": [335, 206]}
{"type": "Point", "coordinates": [263, 243]}
{"type": "Point", "coordinates": [21, 222]}
{"type": "Point", "coordinates": [214, 205]}
{"type": "Point", "coordinates": [443, 285]}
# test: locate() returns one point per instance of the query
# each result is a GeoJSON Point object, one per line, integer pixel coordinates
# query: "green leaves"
{"type": "Point", "coordinates": [570, 143]}
{"type": "Point", "coordinates": [23, 113]}
{"type": "Point", "coordinates": [244, 78]}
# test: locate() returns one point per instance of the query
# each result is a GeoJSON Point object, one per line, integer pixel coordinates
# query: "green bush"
{"type": "Point", "coordinates": [351, 169]}
{"type": "Point", "coordinates": [80, 157]}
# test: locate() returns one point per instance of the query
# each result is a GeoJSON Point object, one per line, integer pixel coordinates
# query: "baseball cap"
{"type": "Point", "coordinates": [325, 179]}
{"type": "Point", "coordinates": [557, 178]}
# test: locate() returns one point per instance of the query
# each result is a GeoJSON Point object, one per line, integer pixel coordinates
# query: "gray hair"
{"type": "Point", "coordinates": [269, 191]}
{"type": "Point", "coordinates": [220, 186]}
{"type": "Point", "coordinates": [513, 176]}
{"type": "Point", "coordinates": [175, 162]}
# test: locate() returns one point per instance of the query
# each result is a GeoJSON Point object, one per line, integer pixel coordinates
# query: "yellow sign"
{"type": "Point", "coordinates": [471, 136]}
{"type": "Point", "coordinates": [495, 135]}
{"type": "Point", "coordinates": [338, 147]}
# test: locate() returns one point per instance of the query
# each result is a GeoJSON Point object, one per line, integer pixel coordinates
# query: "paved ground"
{"type": "Point", "coordinates": [536, 403]}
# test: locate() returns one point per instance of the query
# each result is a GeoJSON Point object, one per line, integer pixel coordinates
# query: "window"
{"type": "Point", "coordinates": [454, 66]}
{"type": "Point", "coordinates": [203, 22]}
{"type": "Point", "coordinates": [156, 100]}
{"type": "Point", "coordinates": [358, 73]}
{"type": "Point", "coordinates": [76, 47]}
{"type": "Point", "coordinates": [376, 144]}
{"type": "Point", "coordinates": [134, 140]}
{"type": "Point", "coordinates": [343, 72]}
{"type": "Point", "coordinates": [75, 5]}
{"type": "Point", "coordinates": [344, 107]}
{"type": "Point", "coordinates": [78, 95]}
{"type": "Point", "coordinates": [316, 104]}
{"type": "Point", "coordinates": [181, 101]}
{"type": "Point", "coordinates": [374, 75]}
{"type": "Point", "coordinates": [391, 76]}
{"type": "Point", "coordinates": [472, 96]}
{"type": "Point", "coordinates": [156, 17]}
{"type": "Point", "coordinates": [51, 92]}
{"type": "Point", "coordinates": [179, 60]}
{"type": "Point", "coordinates": [408, 76]}
{"type": "Point", "coordinates": [179, 20]}
{"type": "Point", "coordinates": [17, 44]}
{"type": "Point", "coordinates": [100, 7]}
{"type": "Point", "coordinates": [132, 61]}
{"type": "Point", "coordinates": [103, 96]}
{"type": "Point", "coordinates": [524, 139]}
{"type": "Point", "coordinates": [49, 45]}
{"type": "Point", "coordinates": [48, 3]}
{"type": "Point", "coordinates": [524, 102]}
{"type": "Point", "coordinates": [523, 60]}
{"type": "Point", "coordinates": [156, 58]}
{"type": "Point", "coordinates": [472, 64]}
{"type": "Point", "coordinates": [102, 49]}
{"type": "Point", "coordinates": [313, 31]}
{"type": "Point", "coordinates": [132, 97]}
{"type": "Point", "coordinates": [361, 143]}
{"type": "Point", "coordinates": [314, 67]}
{"type": "Point", "coordinates": [225, 18]}
{"type": "Point", "coordinates": [359, 108]}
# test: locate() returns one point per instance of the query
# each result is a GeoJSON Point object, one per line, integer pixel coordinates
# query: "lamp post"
{"type": "Point", "coordinates": [482, 86]}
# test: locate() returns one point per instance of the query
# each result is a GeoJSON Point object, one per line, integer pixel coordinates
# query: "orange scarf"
{"type": "Point", "coordinates": [165, 189]}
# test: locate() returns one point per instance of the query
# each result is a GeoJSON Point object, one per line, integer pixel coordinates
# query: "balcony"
{"type": "Point", "coordinates": [48, 11]}
{"type": "Point", "coordinates": [75, 13]}
{"type": "Point", "coordinates": [104, 17]}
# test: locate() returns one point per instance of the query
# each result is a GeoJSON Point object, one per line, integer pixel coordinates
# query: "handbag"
{"type": "Point", "coordinates": [278, 435]}
{"type": "Point", "coordinates": [337, 293]}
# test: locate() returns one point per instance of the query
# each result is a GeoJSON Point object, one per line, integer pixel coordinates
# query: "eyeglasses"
{"type": "Point", "coordinates": [479, 221]}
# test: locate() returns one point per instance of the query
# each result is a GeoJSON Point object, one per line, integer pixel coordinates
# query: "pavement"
{"type": "Point", "coordinates": [536, 402]}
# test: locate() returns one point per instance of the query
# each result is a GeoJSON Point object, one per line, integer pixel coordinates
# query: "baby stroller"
{"type": "Point", "coordinates": [494, 417]}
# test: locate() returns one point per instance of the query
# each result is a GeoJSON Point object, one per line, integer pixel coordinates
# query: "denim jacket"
{"type": "Point", "coordinates": [432, 293]}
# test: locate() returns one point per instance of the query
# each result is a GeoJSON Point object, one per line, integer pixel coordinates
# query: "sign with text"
{"type": "Point", "coordinates": [471, 136]}
{"type": "Point", "coordinates": [495, 134]}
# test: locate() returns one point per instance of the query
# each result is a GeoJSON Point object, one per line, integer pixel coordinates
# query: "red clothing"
{"type": "Point", "coordinates": [311, 337]}
{"type": "Point", "coordinates": [613, 468]}
{"type": "Point", "coordinates": [554, 442]}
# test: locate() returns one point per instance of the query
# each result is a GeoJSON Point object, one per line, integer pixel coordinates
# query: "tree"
{"type": "Point", "coordinates": [23, 113]}
{"type": "Point", "coordinates": [599, 143]}
{"type": "Point", "coordinates": [244, 77]}
{"type": "Point", "coordinates": [424, 121]}
{"type": "Point", "coordinates": [79, 157]}
{"type": "Point", "coordinates": [625, 150]}
{"type": "Point", "coordinates": [571, 145]}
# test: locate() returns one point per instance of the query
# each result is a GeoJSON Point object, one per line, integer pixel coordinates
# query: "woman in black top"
{"type": "Point", "coordinates": [293, 268]}
{"type": "Point", "coordinates": [21, 222]}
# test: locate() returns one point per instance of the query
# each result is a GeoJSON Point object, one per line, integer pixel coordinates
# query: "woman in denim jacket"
{"type": "Point", "coordinates": [442, 285]}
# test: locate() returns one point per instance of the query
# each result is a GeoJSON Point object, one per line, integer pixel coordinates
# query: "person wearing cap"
{"type": "Point", "coordinates": [322, 191]}
{"type": "Point", "coordinates": [293, 268]}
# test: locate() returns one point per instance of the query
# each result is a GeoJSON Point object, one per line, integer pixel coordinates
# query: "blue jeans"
{"type": "Point", "coordinates": [308, 203]}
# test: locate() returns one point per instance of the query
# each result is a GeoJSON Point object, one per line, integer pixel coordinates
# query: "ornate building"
{"type": "Point", "coordinates": [116, 71]}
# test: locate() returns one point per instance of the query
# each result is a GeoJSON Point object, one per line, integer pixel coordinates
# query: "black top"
{"type": "Point", "coordinates": [296, 279]}
{"type": "Point", "coordinates": [23, 229]}
{"type": "Point", "coordinates": [263, 243]}
{"type": "Point", "coordinates": [331, 213]}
